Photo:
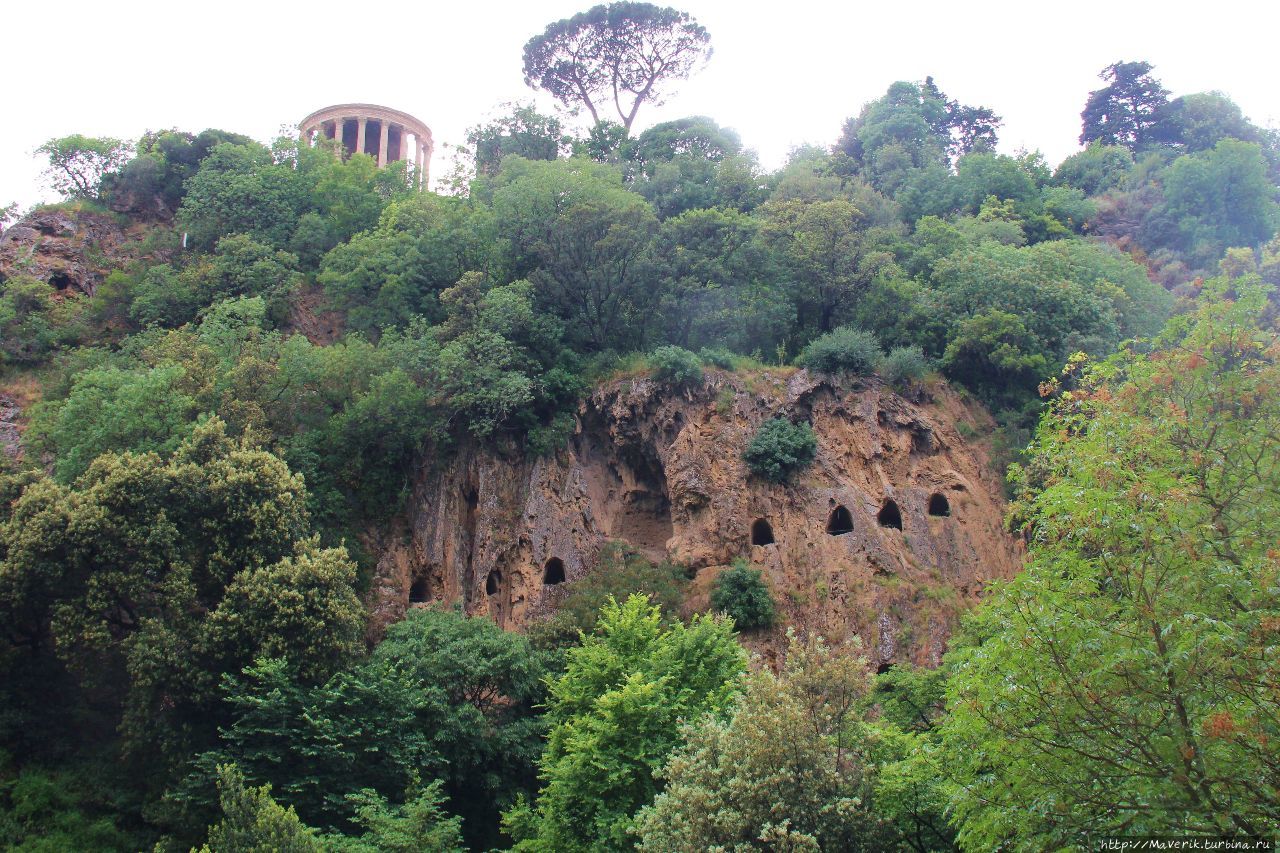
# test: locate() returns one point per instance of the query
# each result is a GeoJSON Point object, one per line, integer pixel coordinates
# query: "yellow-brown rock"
{"type": "Point", "coordinates": [662, 470]}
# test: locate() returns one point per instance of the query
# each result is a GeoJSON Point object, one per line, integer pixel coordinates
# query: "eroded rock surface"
{"type": "Point", "coordinates": [71, 251]}
{"type": "Point", "coordinates": [662, 470]}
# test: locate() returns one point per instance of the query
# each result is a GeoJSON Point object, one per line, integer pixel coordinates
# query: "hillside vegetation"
{"type": "Point", "coordinates": [210, 431]}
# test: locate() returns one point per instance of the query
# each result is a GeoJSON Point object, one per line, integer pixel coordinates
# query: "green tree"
{"type": "Point", "coordinates": [1096, 169]}
{"type": "Point", "coordinates": [1123, 682]}
{"type": "Point", "coordinates": [253, 822]}
{"type": "Point", "coordinates": [1127, 110]}
{"type": "Point", "coordinates": [719, 285]}
{"type": "Point", "coordinates": [1221, 198]}
{"type": "Point", "coordinates": [112, 409]}
{"type": "Point", "coordinates": [779, 449]}
{"type": "Point", "coordinates": [845, 350]}
{"type": "Point", "coordinates": [833, 251]}
{"type": "Point", "coordinates": [742, 593]}
{"type": "Point", "coordinates": [420, 824]}
{"type": "Point", "coordinates": [78, 164]}
{"type": "Point", "coordinates": [442, 698]}
{"type": "Point", "coordinates": [614, 718]}
{"type": "Point", "coordinates": [583, 240]}
{"type": "Point", "coordinates": [149, 577]}
{"type": "Point", "coordinates": [523, 131]}
{"type": "Point", "coordinates": [241, 189]}
{"type": "Point", "coordinates": [1199, 121]}
{"type": "Point", "coordinates": [789, 770]}
{"type": "Point", "coordinates": [622, 53]}
{"type": "Point", "coordinates": [693, 163]}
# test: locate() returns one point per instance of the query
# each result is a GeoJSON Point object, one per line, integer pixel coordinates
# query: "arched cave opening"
{"type": "Point", "coordinates": [419, 591]}
{"type": "Point", "coordinates": [493, 582]}
{"type": "Point", "coordinates": [839, 522]}
{"type": "Point", "coordinates": [939, 505]}
{"type": "Point", "coordinates": [890, 515]}
{"type": "Point", "coordinates": [761, 532]}
{"type": "Point", "coordinates": [883, 668]}
{"type": "Point", "coordinates": [553, 572]}
{"type": "Point", "coordinates": [61, 281]}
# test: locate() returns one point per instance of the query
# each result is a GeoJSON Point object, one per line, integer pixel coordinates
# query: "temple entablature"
{"type": "Point", "coordinates": [381, 132]}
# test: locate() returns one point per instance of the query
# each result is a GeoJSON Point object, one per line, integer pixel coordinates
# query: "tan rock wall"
{"type": "Point", "coordinates": [662, 470]}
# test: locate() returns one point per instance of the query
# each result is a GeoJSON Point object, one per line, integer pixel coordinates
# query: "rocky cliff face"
{"type": "Point", "coordinates": [890, 534]}
{"type": "Point", "coordinates": [72, 251]}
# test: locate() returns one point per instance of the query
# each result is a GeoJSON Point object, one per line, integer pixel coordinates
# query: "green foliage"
{"type": "Point", "coordinates": [1146, 612]}
{"type": "Point", "coordinates": [1125, 112]}
{"type": "Point", "coordinates": [32, 325]}
{"type": "Point", "coordinates": [779, 449]}
{"type": "Point", "coordinates": [903, 366]}
{"type": "Point", "coordinates": [78, 164]}
{"type": "Point", "coordinates": [1096, 169]}
{"type": "Point", "coordinates": [148, 577]}
{"type": "Point", "coordinates": [255, 823]}
{"type": "Point", "coordinates": [788, 770]}
{"type": "Point", "coordinates": [833, 249]}
{"type": "Point", "coordinates": [615, 716]}
{"type": "Point", "coordinates": [443, 697]}
{"type": "Point", "coordinates": [110, 409]}
{"type": "Point", "coordinates": [240, 189]}
{"type": "Point", "coordinates": [676, 365]}
{"type": "Point", "coordinates": [1221, 198]}
{"type": "Point", "coordinates": [620, 571]}
{"type": "Point", "coordinates": [523, 132]}
{"type": "Point", "coordinates": [717, 357]}
{"type": "Point", "coordinates": [51, 811]}
{"type": "Point", "coordinates": [742, 593]}
{"type": "Point", "coordinates": [718, 283]}
{"type": "Point", "coordinates": [583, 240]}
{"type": "Point", "coordinates": [622, 53]}
{"type": "Point", "coordinates": [845, 350]}
{"type": "Point", "coordinates": [421, 823]}
{"type": "Point", "coordinates": [692, 164]}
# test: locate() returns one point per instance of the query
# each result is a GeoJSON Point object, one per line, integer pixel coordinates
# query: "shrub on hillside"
{"type": "Point", "coordinates": [903, 365]}
{"type": "Point", "coordinates": [717, 357]}
{"type": "Point", "coordinates": [742, 593]}
{"type": "Point", "coordinates": [779, 449]}
{"type": "Point", "coordinates": [676, 365]}
{"type": "Point", "coordinates": [846, 350]}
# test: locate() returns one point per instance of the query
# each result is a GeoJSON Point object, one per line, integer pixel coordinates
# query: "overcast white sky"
{"type": "Point", "coordinates": [782, 74]}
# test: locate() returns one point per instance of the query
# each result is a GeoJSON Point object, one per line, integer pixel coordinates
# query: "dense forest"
{"type": "Point", "coordinates": [210, 434]}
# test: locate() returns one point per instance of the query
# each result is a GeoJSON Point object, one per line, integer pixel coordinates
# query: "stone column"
{"type": "Point", "coordinates": [417, 160]}
{"type": "Point", "coordinates": [404, 142]}
{"type": "Point", "coordinates": [360, 123]}
{"type": "Point", "coordinates": [384, 139]}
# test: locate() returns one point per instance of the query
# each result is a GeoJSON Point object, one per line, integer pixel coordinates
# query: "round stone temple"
{"type": "Point", "coordinates": [381, 132]}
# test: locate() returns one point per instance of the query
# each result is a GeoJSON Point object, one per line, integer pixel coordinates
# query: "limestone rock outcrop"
{"type": "Point", "coordinates": [71, 251]}
{"type": "Point", "coordinates": [890, 534]}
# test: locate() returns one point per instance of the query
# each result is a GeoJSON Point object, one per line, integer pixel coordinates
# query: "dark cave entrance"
{"type": "Point", "coordinates": [839, 522]}
{"type": "Point", "coordinates": [761, 532]}
{"type": "Point", "coordinates": [890, 515]}
{"type": "Point", "coordinates": [493, 583]}
{"type": "Point", "coordinates": [939, 505]}
{"type": "Point", "coordinates": [420, 591]}
{"type": "Point", "coordinates": [553, 572]}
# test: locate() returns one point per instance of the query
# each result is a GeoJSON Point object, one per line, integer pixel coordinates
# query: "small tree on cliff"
{"type": "Point", "coordinates": [78, 163]}
{"type": "Point", "coordinates": [622, 53]}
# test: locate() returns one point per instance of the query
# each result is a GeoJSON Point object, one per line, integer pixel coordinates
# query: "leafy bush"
{"type": "Point", "coordinates": [742, 593]}
{"type": "Point", "coordinates": [846, 349]}
{"type": "Point", "coordinates": [717, 357]}
{"type": "Point", "coordinates": [779, 449]}
{"type": "Point", "coordinates": [904, 364]}
{"type": "Point", "coordinates": [676, 365]}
